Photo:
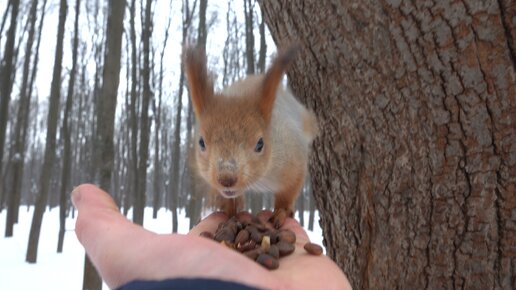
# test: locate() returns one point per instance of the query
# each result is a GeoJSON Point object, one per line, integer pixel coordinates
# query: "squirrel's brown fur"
{"type": "Point", "coordinates": [231, 123]}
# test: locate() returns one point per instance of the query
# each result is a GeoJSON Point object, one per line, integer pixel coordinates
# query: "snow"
{"type": "Point", "coordinates": [65, 270]}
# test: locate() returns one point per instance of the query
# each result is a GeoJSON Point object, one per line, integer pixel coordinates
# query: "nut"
{"type": "Point", "coordinates": [287, 236]}
{"type": "Point", "coordinates": [313, 249]}
{"type": "Point", "coordinates": [267, 261]}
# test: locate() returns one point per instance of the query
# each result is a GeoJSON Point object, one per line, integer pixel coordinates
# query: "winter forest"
{"type": "Point", "coordinates": [413, 172]}
{"type": "Point", "coordinates": [55, 73]}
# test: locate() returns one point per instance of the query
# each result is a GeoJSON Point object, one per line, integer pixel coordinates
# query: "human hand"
{"type": "Point", "coordinates": [123, 252]}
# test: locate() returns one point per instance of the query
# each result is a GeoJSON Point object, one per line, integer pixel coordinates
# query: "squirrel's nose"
{"type": "Point", "coordinates": [227, 181]}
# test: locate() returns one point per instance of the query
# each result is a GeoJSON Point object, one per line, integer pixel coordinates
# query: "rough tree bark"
{"type": "Point", "coordinates": [105, 118]}
{"type": "Point", "coordinates": [414, 170]}
{"type": "Point", "coordinates": [50, 143]}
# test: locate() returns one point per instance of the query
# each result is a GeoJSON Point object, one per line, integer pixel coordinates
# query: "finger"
{"type": "Point", "coordinates": [209, 224]}
{"type": "Point", "coordinates": [96, 209]}
{"type": "Point", "coordinates": [106, 234]}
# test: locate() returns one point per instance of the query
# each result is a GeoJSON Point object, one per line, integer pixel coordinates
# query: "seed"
{"type": "Point", "coordinates": [285, 248]}
{"type": "Point", "coordinates": [208, 235]}
{"type": "Point", "coordinates": [253, 254]}
{"type": "Point", "coordinates": [244, 217]}
{"type": "Point", "coordinates": [287, 236]}
{"type": "Point", "coordinates": [228, 244]}
{"type": "Point", "coordinates": [255, 234]}
{"type": "Point", "coordinates": [313, 249]}
{"type": "Point", "coordinates": [266, 243]}
{"type": "Point", "coordinates": [224, 234]}
{"type": "Point", "coordinates": [267, 261]}
{"type": "Point", "coordinates": [274, 237]}
{"type": "Point", "coordinates": [274, 251]}
{"type": "Point", "coordinates": [242, 237]}
{"type": "Point", "coordinates": [247, 246]}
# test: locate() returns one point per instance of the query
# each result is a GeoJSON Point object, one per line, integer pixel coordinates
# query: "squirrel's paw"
{"type": "Point", "coordinates": [279, 216]}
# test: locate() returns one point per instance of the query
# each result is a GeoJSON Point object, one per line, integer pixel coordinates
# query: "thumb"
{"type": "Point", "coordinates": [89, 196]}
{"type": "Point", "coordinates": [98, 218]}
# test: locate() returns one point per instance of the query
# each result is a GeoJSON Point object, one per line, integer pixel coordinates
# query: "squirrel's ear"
{"type": "Point", "coordinates": [273, 77]}
{"type": "Point", "coordinates": [200, 85]}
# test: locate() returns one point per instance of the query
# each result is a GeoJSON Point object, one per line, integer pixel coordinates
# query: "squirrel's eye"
{"type": "Point", "coordinates": [259, 146]}
{"type": "Point", "coordinates": [202, 144]}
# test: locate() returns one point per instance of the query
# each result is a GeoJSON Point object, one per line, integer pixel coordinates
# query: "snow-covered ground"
{"type": "Point", "coordinates": [64, 271]}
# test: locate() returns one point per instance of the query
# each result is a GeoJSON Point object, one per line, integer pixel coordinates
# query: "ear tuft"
{"type": "Point", "coordinates": [199, 83]}
{"type": "Point", "coordinates": [273, 78]}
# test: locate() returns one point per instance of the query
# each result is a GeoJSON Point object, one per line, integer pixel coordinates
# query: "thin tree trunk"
{"type": "Point", "coordinates": [301, 206]}
{"type": "Point", "coordinates": [157, 115]}
{"type": "Point", "coordinates": [249, 36]}
{"type": "Point", "coordinates": [176, 145]}
{"type": "Point", "coordinates": [50, 145]}
{"type": "Point", "coordinates": [196, 196]}
{"type": "Point", "coordinates": [311, 216]}
{"type": "Point", "coordinates": [21, 124]}
{"type": "Point", "coordinates": [4, 19]}
{"type": "Point", "coordinates": [139, 206]}
{"type": "Point", "coordinates": [414, 169]}
{"type": "Point", "coordinates": [105, 117]}
{"type": "Point", "coordinates": [134, 117]}
{"type": "Point", "coordinates": [6, 78]}
{"type": "Point", "coordinates": [262, 54]}
{"type": "Point", "coordinates": [65, 177]}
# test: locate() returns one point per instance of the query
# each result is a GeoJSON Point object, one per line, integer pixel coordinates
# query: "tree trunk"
{"type": "Point", "coordinates": [414, 169]}
{"type": "Point", "coordinates": [300, 206]}
{"type": "Point", "coordinates": [21, 127]}
{"type": "Point", "coordinates": [133, 171]}
{"type": "Point", "coordinates": [7, 78]}
{"type": "Point", "coordinates": [195, 196]}
{"type": "Point", "coordinates": [311, 216]}
{"type": "Point", "coordinates": [157, 201]}
{"type": "Point", "coordinates": [249, 36]}
{"type": "Point", "coordinates": [65, 174]}
{"type": "Point", "coordinates": [105, 117]}
{"type": "Point", "coordinates": [139, 204]}
{"type": "Point", "coordinates": [50, 145]}
{"type": "Point", "coordinates": [262, 54]}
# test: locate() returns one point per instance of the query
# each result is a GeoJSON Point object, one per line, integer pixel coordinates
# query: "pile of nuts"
{"type": "Point", "coordinates": [259, 240]}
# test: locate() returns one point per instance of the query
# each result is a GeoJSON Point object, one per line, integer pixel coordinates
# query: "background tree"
{"type": "Point", "coordinates": [414, 170]}
{"type": "Point", "coordinates": [157, 108]}
{"type": "Point", "coordinates": [7, 77]}
{"type": "Point", "coordinates": [50, 144]}
{"type": "Point", "coordinates": [187, 17]}
{"type": "Point", "coordinates": [105, 117]}
{"type": "Point", "coordinates": [18, 160]}
{"type": "Point", "coordinates": [198, 192]}
{"type": "Point", "coordinates": [143, 157]}
{"type": "Point", "coordinates": [65, 131]}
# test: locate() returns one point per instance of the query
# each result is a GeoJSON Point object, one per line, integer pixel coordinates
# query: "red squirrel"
{"type": "Point", "coordinates": [252, 136]}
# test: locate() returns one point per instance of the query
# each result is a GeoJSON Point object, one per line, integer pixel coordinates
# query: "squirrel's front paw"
{"type": "Point", "coordinates": [279, 216]}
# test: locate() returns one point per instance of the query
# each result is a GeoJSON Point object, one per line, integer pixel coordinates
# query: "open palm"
{"type": "Point", "coordinates": [123, 252]}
